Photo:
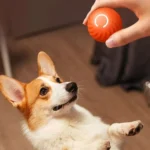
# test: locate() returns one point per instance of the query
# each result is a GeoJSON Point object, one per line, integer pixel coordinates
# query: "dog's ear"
{"type": "Point", "coordinates": [12, 90]}
{"type": "Point", "coordinates": [45, 65]}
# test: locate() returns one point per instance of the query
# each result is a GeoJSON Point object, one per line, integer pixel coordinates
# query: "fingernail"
{"type": "Point", "coordinates": [110, 43]}
{"type": "Point", "coordinates": [84, 23]}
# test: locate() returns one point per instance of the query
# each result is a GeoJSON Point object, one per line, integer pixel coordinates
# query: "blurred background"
{"type": "Point", "coordinates": [56, 28]}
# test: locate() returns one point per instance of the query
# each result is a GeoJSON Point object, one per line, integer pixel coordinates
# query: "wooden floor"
{"type": "Point", "coordinates": [71, 49]}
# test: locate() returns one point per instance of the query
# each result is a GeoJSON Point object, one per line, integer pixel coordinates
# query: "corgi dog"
{"type": "Point", "coordinates": [52, 118]}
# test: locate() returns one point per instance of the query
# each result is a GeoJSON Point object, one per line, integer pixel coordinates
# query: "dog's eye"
{"type": "Point", "coordinates": [44, 91]}
{"type": "Point", "coordinates": [58, 80]}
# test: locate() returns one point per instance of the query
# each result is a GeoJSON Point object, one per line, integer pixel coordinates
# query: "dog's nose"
{"type": "Point", "coordinates": [71, 87]}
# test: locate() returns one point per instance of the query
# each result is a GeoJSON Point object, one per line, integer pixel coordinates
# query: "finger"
{"type": "Point", "coordinates": [113, 3]}
{"type": "Point", "coordinates": [105, 3]}
{"type": "Point", "coordinates": [86, 18]}
{"type": "Point", "coordinates": [128, 35]}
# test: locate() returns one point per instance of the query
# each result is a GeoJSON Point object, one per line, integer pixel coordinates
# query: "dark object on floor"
{"type": "Point", "coordinates": [128, 66]}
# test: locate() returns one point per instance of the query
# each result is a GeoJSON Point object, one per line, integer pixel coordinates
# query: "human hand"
{"type": "Point", "coordinates": [136, 31]}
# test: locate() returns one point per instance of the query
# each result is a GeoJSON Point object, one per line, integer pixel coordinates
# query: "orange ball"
{"type": "Point", "coordinates": [102, 23]}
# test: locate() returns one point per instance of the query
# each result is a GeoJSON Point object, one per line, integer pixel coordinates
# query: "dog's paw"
{"type": "Point", "coordinates": [103, 145]}
{"type": "Point", "coordinates": [135, 128]}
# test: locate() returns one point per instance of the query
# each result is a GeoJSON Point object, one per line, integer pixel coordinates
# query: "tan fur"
{"type": "Point", "coordinates": [50, 63]}
{"type": "Point", "coordinates": [2, 77]}
{"type": "Point", "coordinates": [34, 102]}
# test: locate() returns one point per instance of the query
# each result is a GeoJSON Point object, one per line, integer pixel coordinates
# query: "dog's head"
{"type": "Point", "coordinates": [43, 98]}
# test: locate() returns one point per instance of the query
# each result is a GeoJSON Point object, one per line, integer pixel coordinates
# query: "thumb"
{"type": "Point", "coordinates": [125, 36]}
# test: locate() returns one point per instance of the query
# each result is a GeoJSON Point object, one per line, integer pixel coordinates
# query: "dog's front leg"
{"type": "Point", "coordinates": [118, 131]}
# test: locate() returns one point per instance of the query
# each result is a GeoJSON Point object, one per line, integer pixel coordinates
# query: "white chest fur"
{"type": "Point", "coordinates": [77, 128]}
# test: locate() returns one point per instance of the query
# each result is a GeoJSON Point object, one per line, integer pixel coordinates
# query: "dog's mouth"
{"type": "Point", "coordinates": [56, 108]}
